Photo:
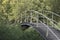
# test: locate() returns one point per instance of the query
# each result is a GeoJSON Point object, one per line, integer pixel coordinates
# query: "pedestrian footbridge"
{"type": "Point", "coordinates": [44, 22]}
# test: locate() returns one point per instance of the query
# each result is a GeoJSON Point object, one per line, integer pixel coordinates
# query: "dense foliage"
{"type": "Point", "coordinates": [10, 11]}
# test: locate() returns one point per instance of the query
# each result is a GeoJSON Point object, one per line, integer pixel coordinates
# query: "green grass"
{"type": "Point", "coordinates": [14, 32]}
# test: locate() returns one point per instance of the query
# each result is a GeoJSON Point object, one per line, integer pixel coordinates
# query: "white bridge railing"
{"type": "Point", "coordinates": [31, 15]}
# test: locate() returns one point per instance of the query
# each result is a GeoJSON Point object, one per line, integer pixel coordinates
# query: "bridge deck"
{"type": "Point", "coordinates": [53, 34]}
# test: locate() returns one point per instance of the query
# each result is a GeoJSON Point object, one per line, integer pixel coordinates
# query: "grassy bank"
{"type": "Point", "coordinates": [14, 32]}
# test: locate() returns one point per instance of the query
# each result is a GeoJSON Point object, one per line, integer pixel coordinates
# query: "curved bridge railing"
{"type": "Point", "coordinates": [31, 15]}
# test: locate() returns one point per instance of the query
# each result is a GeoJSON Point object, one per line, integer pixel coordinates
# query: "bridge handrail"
{"type": "Point", "coordinates": [48, 12]}
{"type": "Point", "coordinates": [45, 17]}
{"type": "Point", "coordinates": [52, 13]}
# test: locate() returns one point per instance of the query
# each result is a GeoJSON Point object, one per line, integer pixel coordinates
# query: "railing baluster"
{"type": "Point", "coordinates": [47, 29]}
{"type": "Point", "coordinates": [52, 19]}
{"type": "Point", "coordinates": [25, 17]}
{"type": "Point", "coordinates": [37, 20]}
